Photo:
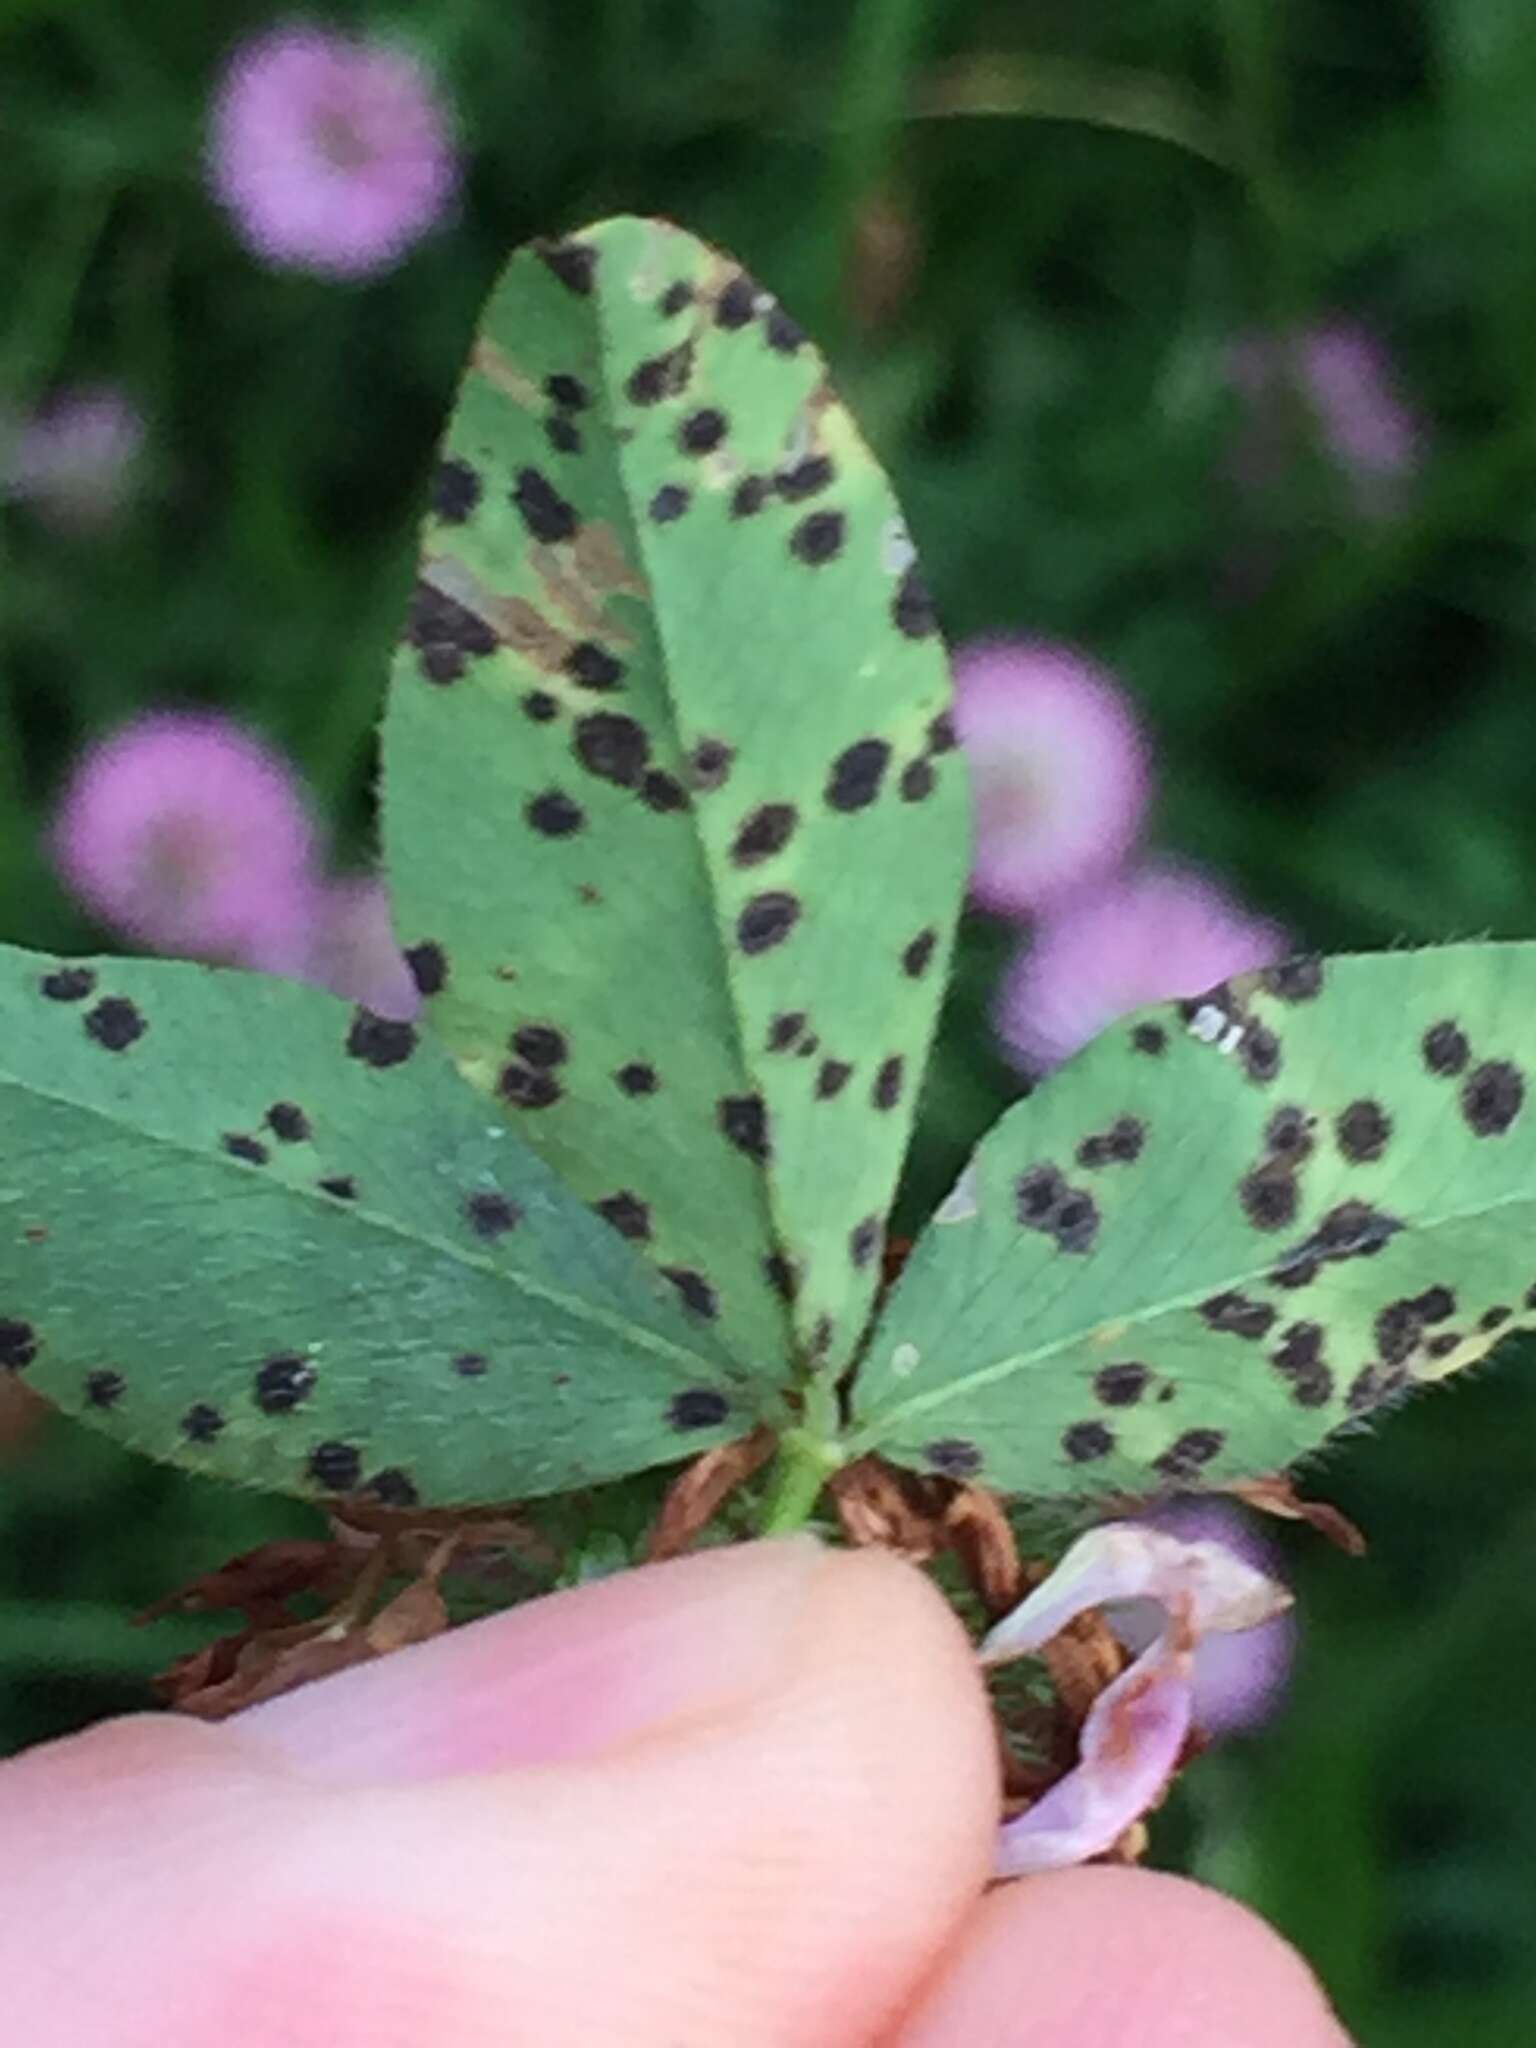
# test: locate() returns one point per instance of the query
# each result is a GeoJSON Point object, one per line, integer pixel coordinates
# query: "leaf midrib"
{"type": "Point", "coordinates": [778, 1237]}
{"type": "Point", "coordinates": [635, 1335]}
{"type": "Point", "coordinates": [863, 1436]}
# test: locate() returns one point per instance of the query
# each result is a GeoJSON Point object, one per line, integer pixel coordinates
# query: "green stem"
{"type": "Point", "coordinates": [795, 1488]}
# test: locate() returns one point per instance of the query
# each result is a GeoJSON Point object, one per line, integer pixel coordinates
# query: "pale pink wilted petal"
{"type": "Point", "coordinates": [1130, 1747]}
{"type": "Point", "coordinates": [191, 835]}
{"type": "Point", "coordinates": [1203, 1584]}
{"type": "Point", "coordinates": [354, 951]}
{"type": "Point", "coordinates": [333, 153]}
{"type": "Point", "coordinates": [1238, 1679]}
{"type": "Point", "coordinates": [1136, 1730]}
{"type": "Point", "coordinates": [74, 458]}
{"type": "Point", "coordinates": [1060, 770]}
{"type": "Point", "coordinates": [1145, 937]}
{"type": "Point", "coordinates": [1347, 381]}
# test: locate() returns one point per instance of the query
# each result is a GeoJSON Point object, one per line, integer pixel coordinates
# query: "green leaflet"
{"type": "Point", "coordinates": [675, 827]}
{"type": "Point", "coordinates": [251, 1230]}
{"type": "Point", "coordinates": [1227, 1229]}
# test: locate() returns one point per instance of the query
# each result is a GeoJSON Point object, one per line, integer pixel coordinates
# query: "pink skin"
{"type": "Point", "coordinates": [332, 153]}
{"type": "Point", "coordinates": [749, 1798]}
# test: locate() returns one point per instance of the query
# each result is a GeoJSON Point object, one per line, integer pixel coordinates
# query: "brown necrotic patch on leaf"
{"type": "Point", "coordinates": [1492, 1097]}
{"type": "Point", "coordinates": [241, 1146]}
{"type": "Point", "coordinates": [19, 1344]}
{"type": "Point", "coordinates": [1259, 1051]}
{"type": "Point", "coordinates": [541, 1045]}
{"type": "Point", "coordinates": [766, 921]}
{"type": "Point", "coordinates": [1362, 1131]}
{"type": "Point", "coordinates": [1122, 1385]}
{"type": "Point", "coordinates": [709, 764]}
{"type": "Point", "coordinates": [554, 815]}
{"type": "Point", "coordinates": [629, 1216]}
{"type": "Point", "coordinates": [341, 1186]}
{"type": "Point", "coordinates": [1188, 1453]}
{"type": "Point", "coordinates": [201, 1423]}
{"type": "Point", "coordinates": [490, 1215]}
{"type": "Point", "coordinates": [335, 1466]}
{"type": "Point", "coordinates": [574, 263]}
{"type": "Point", "coordinates": [1268, 1195]}
{"type": "Point", "coordinates": [1445, 1048]}
{"type": "Point", "coordinates": [661, 376]}
{"type": "Point", "coordinates": [612, 747]}
{"type": "Point", "coordinates": [379, 1041]}
{"type": "Point", "coordinates": [283, 1383]}
{"type": "Point", "coordinates": [1083, 1442]}
{"type": "Point", "coordinates": [1296, 980]}
{"type": "Point", "coordinates": [1119, 1145]}
{"type": "Point", "coordinates": [68, 984]}
{"type": "Point", "coordinates": [593, 666]}
{"type": "Point", "coordinates": [1237, 1315]}
{"type": "Point", "coordinates": [698, 1408]}
{"type": "Point", "coordinates": [918, 952]}
{"type": "Point", "coordinates": [918, 780]}
{"type": "Point", "coordinates": [115, 1024]}
{"type": "Point", "coordinates": [526, 1087]}
{"type": "Point", "coordinates": [446, 635]}
{"type": "Point", "coordinates": [428, 966]}
{"type": "Point", "coordinates": [818, 538]}
{"type": "Point", "coordinates": [669, 504]}
{"type": "Point", "coordinates": [784, 1030]}
{"type": "Point", "coordinates": [763, 833]}
{"type": "Point", "coordinates": [954, 1457]}
{"type": "Point", "coordinates": [886, 1092]}
{"type": "Point", "coordinates": [104, 1388]}
{"type": "Point", "coordinates": [637, 1077]}
{"type": "Point", "coordinates": [832, 1078]}
{"type": "Point", "coordinates": [864, 1241]}
{"type": "Point", "coordinates": [744, 1121]}
{"type": "Point", "coordinates": [456, 490]}
{"type": "Point", "coordinates": [694, 1290]}
{"type": "Point", "coordinates": [856, 775]}
{"type": "Point", "coordinates": [912, 609]}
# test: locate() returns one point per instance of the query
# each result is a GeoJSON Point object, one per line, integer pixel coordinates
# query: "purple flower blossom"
{"type": "Point", "coordinates": [353, 950]}
{"type": "Point", "coordinates": [74, 458]}
{"type": "Point", "coordinates": [1142, 938]}
{"type": "Point", "coordinates": [1346, 381]}
{"type": "Point", "coordinates": [1136, 1729]}
{"type": "Point", "coordinates": [333, 154]}
{"type": "Point", "coordinates": [1060, 771]}
{"type": "Point", "coordinates": [191, 835]}
{"type": "Point", "coordinates": [1237, 1679]}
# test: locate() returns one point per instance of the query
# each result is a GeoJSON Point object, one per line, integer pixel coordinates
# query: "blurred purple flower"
{"type": "Point", "coordinates": [1238, 1679]}
{"type": "Point", "coordinates": [1136, 1729]}
{"type": "Point", "coordinates": [192, 836]}
{"type": "Point", "coordinates": [334, 154]}
{"type": "Point", "coordinates": [1346, 379]}
{"type": "Point", "coordinates": [353, 950]}
{"type": "Point", "coordinates": [1145, 937]}
{"type": "Point", "coordinates": [1060, 771]}
{"type": "Point", "coordinates": [74, 458]}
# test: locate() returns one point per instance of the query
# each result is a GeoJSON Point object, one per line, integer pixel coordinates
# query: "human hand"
{"type": "Point", "coordinates": [747, 1800]}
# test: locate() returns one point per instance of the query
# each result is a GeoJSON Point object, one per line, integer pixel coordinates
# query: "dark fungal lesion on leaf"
{"type": "Point", "coordinates": [379, 1041]}
{"type": "Point", "coordinates": [115, 1024]}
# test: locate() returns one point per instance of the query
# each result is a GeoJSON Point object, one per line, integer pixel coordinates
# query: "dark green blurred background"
{"type": "Point", "coordinates": [1028, 236]}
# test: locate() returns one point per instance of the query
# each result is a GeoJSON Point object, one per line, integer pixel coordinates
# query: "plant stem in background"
{"type": "Point", "coordinates": [881, 54]}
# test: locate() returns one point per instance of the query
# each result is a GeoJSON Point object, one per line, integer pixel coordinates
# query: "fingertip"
{"type": "Point", "coordinates": [1109, 1958]}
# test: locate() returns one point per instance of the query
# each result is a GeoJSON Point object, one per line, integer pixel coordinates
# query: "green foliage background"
{"type": "Point", "coordinates": [1026, 239]}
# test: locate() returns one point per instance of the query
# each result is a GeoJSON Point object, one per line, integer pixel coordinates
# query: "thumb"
{"type": "Point", "coordinates": [742, 1798]}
